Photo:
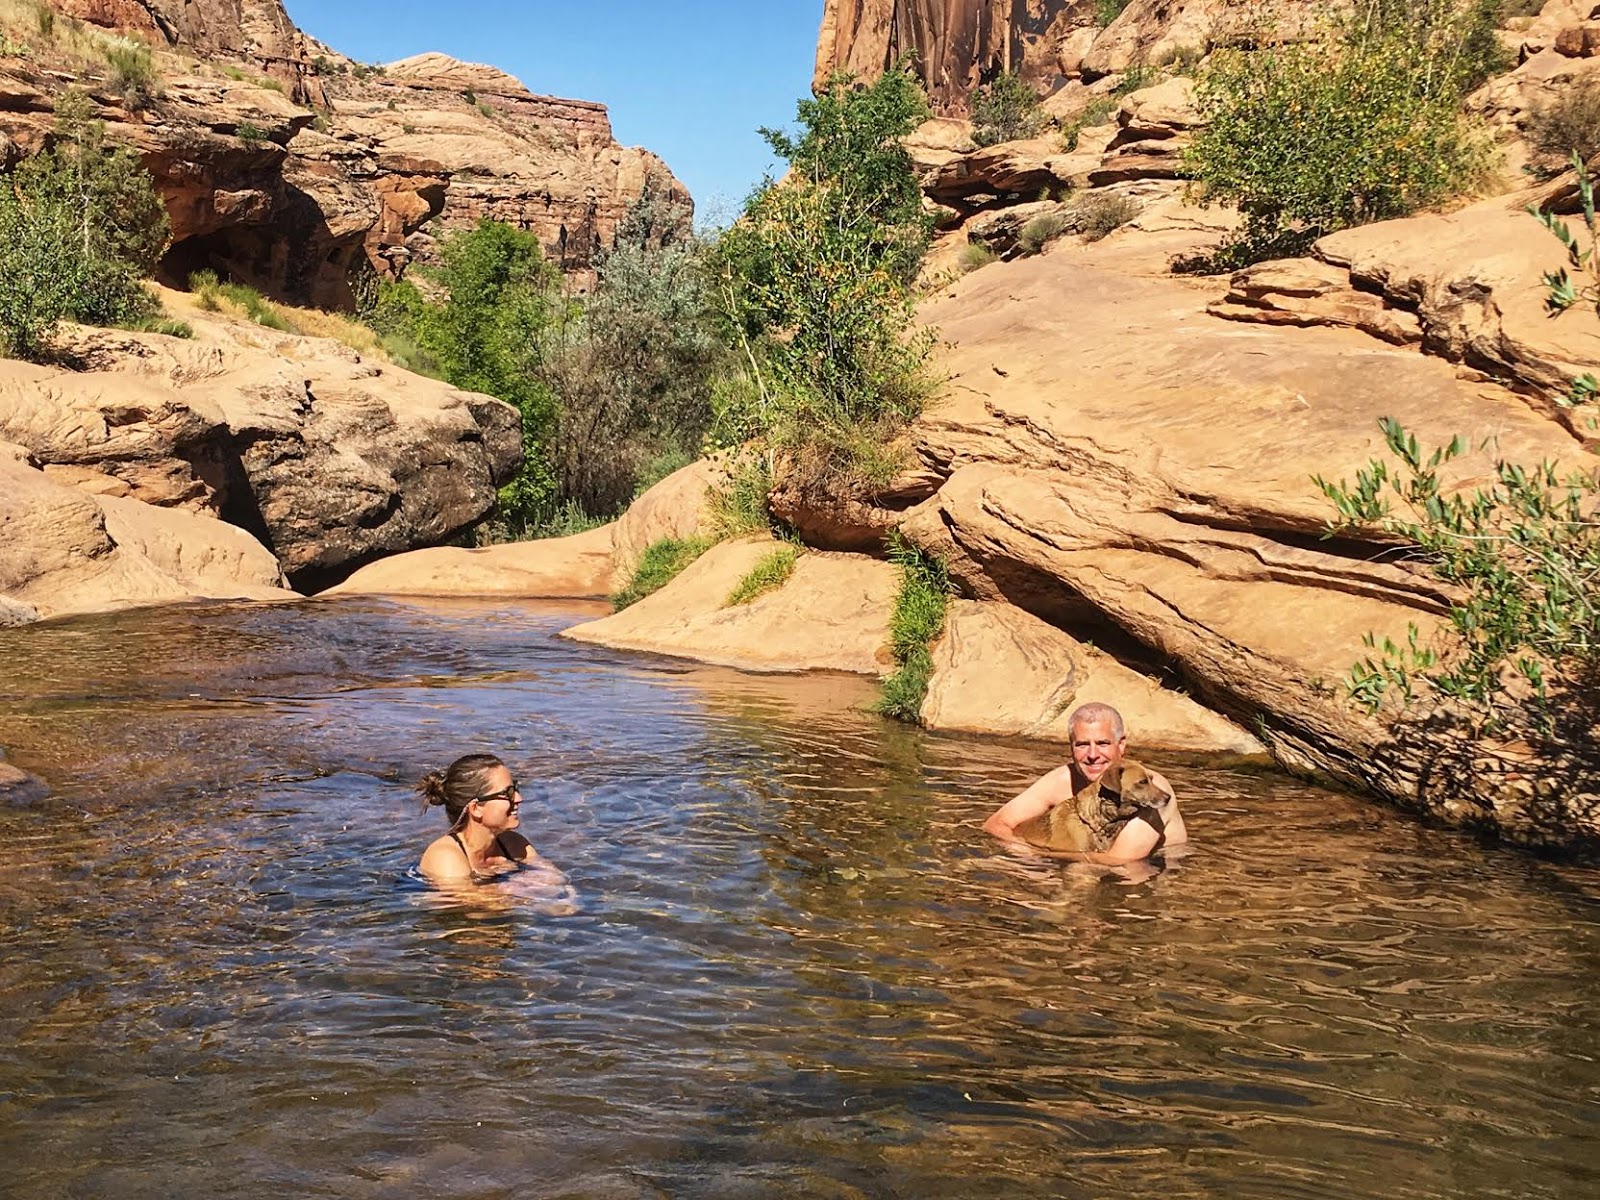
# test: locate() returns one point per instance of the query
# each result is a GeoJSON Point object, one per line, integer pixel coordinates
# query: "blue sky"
{"type": "Point", "coordinates": [691, 81]}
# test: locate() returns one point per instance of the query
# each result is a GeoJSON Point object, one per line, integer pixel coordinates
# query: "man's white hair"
{"type": "Point", "coordinates": [1096, 711]}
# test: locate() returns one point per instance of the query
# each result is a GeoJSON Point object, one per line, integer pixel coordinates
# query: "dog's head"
{"type": "Point", "coordinates": [1124, 788]}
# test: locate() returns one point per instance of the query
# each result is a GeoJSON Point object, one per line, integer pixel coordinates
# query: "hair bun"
{"type": "Point", "coordinates": [431, 789]}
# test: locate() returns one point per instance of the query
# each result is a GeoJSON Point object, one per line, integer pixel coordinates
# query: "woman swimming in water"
{"type": "Point", "coordinates": [481, 799]}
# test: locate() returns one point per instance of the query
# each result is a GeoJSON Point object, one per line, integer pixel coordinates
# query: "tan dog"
{"type": "Point", "coordinates": [1094, 816]}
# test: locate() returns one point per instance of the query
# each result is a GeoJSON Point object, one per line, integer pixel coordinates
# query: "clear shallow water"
{"type": "Point", "coordinates": [799, 968]}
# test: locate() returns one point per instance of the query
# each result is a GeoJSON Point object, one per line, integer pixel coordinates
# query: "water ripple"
{"type": "Point", "coordinates": [795, 966]}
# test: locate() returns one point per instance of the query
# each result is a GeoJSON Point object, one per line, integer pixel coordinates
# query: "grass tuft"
{"type": "Point", "coordinates": [658, 566]}
{"type": "Point", "coordinates": [738, 506]}
{"type": "Point", "coordinates": [769, 574]}
{"type": "Point", "coordinates": [975, 255]}
{"type": "Point", "coordinates": [918, 618]}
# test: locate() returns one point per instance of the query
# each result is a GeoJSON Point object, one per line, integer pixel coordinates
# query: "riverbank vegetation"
{"type": "Point", "coordinates": [661, 562]}
{"type": "Point", "coordinates": [918, 619]}
{"type": "Point", "coordinates": [813, 286]}
{"type": "Point", "coordinates": [1362, 122]}
{"type": "Point", "coordinates": [1524, 556]}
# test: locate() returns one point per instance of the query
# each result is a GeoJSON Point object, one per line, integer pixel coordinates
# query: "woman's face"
{"type": "Point", "coordinates": [499, 800]}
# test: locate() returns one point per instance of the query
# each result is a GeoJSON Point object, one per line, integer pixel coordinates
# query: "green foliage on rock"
{"type": "Point", "coordinates": [80, 226]}
{"type": "Point", "coordinates": [1097, 214]}
{"type": "Point", "coordinates": [813, 284]}
{"type": "Point", "coordinates": [1006, 110]}
{"type": "Point", "coordinates": [1563, 291]}
{"type": "Point", "coordinates": [1101, 110]}
{"type": "Point", "coordinates": [918, 618]}
{"type": "Point", "coordinates": [661, 563]}
{"type": "Point", "coordinates": [738, 504]}
{"type": "Point", "coordinates": [975, 255]}
{"type": "Point", "coordinates": [1360, 124]}
{"type": "Point", "coordinates": [1040, 230]}
{"type": "Point", "coordinates": [1524, 556]}
{"type": "Point", "coordinates": [1107, 11]}
{"type": "Point", "coordinates": [132, 72]}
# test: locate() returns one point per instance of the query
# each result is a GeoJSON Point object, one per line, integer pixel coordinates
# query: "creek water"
{"type": "Point", "coordinates": [797, 966]}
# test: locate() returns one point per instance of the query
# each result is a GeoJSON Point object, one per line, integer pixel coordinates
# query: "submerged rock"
{"type": "Point", "coordinates": [17, 787]}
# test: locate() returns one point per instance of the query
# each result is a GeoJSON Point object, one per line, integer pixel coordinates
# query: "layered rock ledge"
{"type": "Point", "coordinates": [238, 462]}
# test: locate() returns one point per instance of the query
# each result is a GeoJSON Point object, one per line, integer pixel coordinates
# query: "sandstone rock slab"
{"type": "Point", "coordinates": [677, 507]}
{"type": "Point", "coordinates": [831, 615]}
{"type": "Point", "coordinates": [1000, 671]}
{"type": "Point", "coordinates": [577, 567]}
{"type": "Point", "coordinates": [66, 551]}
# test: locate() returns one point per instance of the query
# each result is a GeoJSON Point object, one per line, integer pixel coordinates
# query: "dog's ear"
{"type": "Point", "coordinates": [1111, 781]}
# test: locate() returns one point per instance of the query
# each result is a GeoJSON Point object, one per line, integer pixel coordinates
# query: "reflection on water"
{"type": "Point", "coordinates": [797, 967]}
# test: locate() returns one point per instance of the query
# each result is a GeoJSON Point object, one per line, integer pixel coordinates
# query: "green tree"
{"type": "Point", "coordinates": [37, 273]}
{"type": "Point", "coordinates": [849, 139]}
{"type": "Point", "coordinates": [489, 335]}
{"type": "Point", "coordinates": [814, 284]}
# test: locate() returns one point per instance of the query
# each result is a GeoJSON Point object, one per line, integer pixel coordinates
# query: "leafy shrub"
{"type": "Point", "coordinates": [1136, 78]}
{"type": "Point", "coordinates": [37, 277]}
{"type": "Point", "coordinates": [1099, 213]}
{"type": "Point", "coordinates": [133, 72]}
{"type": "Point", "coordinates": [1524, 554]}
{"type": "Point", "coordinates": [632, 368]}
{"type": "Point", "coordinates": [974, 255]}
{"type": "Point", "coordinates": [1361, 124]}
{"type": "Point", "coordinates": [250, 134]}
{"type": "Point", "coordinates": [1562, 291]}
{"type": "Point", "coordinates": [490, 335]}
{"type": "Point", "coordinates": [814, 286]}
{"type": "Point", "coordinates": [1570, 124]}
{"type": "Point", "coordinates": [80, 224]}
{"type": "Point", "coordinates": [658, 566]}
{"type": "Point", "coordinates": [917, 619]}
{"type": "Point", "coordinates": [769, 574]}
{"type": "Point", "coordinates": [1005, 110]}
{"type": "Point", "coordinates": [1039, 230]}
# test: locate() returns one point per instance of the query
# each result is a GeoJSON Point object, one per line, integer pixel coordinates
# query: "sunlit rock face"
{"type": "Point", "coordinates": [955, 47]}
{"type": "Point", "coordinates": [290, 167]}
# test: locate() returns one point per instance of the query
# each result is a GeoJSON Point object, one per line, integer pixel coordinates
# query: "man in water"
{"type": "Point", "coordinates": [1098, 744]}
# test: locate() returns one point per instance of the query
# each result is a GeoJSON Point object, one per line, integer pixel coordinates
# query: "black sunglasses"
{"type": "Point", "coordinates": [503, 794]}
